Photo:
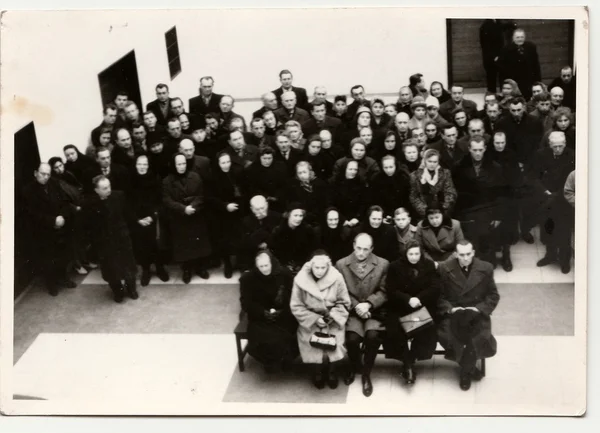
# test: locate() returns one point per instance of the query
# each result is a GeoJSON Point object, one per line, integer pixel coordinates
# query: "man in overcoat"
{"type": "Point", "coordinates": [519, 61]}
{"type": "Point", "coordinates": [468, 297]}
{"type": "Point", "coordinates": [207, 101]}
{"type": "Point", "coordinates": [364, 274]}
{"type": "Point", "coordinates": [49, 214]}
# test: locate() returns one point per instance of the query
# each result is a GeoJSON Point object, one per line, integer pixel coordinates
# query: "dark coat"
{"type": "Point", "coordinates": [293, 247]}
{"type": "Point", "coordinates": [209, 148]}
{"type": "Point", "coordinates": [269, 341]}
{"type": "Point", "coordinates": [160, 163]}
{"type": "Point", "coordinates": [337, 242]}
{"type": "Point", "coordinates": [154, 106]}
{"type": "Point", "coordinates": [198, 107]}
{"type": "Point", "coordinates": [391, 192]}
{"type": "Point", "coordinates": [79, 167]}
{"type": "Point", "coordinates": [254, 233]}
{"type": "Point", "coordinates": [330, 124]}
{"type": "Point", "coordinates": [446, 160]}
{"type": "Point", "coordinates": [402, 238]}
{"type": "Point", "coordinates": [227, 188]}
{"type": "Point", "coordinates": [301, 97]}
{"type": "Point", "coordinates": [95, 134]}
{"type": "Point", "coordinates": [321, 164]}
{"type": "Point", "coordinates": [250, 156]}
{"type": "Point", "coordinates": [270, 182]}
{"type": "Point", "coordinates": [550, 173]}
{"type": "Point", "coordinates": [41, 209]}
{"type": "Point", "coordinates": [350, 197]}
{"type": "Point", "coordinates": [189, 233]}
{"type": "Point", "coordinates": [295, 156]}
{"type": "Point", "coordinates": [384, 240]}
{"type": "Point", "coordinates": [403, 282]}
{"type": "Point", "coordinates": [315, 202]}
{"type": "Point", "coordinates": [107, 222]}
{"type": "Point", "coordinates": [477, 290]}
{"type": "Point", "coordinates": [441, 246]}
{"type": "Point", "coordinates": [121, 157]}
{"type": "Point", "coordinates": [523, 137]}
{"type": "Point", "coordinates": [299, 115]}
{"type": "Point", "coordinates": [367, 168]}
{"type": "Point", "coordinates": [569, 99]}
{"type": "Point", "coordinates": [118, 175]}
{"type": "Point", "coordinates": [201, 165]}
{"type": "Point", "coordinates": [144, 200]}
{"type": "Point", "coordinates": [448, 107]}
{"type": "Point", "coordinates": [422, 195]}
{"type": "Point", "coordinates": [523, 67]}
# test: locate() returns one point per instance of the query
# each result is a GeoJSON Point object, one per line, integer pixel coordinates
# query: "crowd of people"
{"type": "Point", "coordinates": [419, 186]}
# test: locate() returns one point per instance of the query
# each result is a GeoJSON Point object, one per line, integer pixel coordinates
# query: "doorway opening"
{"type": "Point", "coordinates": [121, 76]}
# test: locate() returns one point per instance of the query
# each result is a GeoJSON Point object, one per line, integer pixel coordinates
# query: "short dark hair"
{"type": "Point", "coordinates": [101, 149]}
{"type": "Point", "coordinates": [541, 97]}
{"type": "Point", "coordinates": [317, 102]}
{"type": "Point", "coordinates": [447, 127]}
{"type": "Point", "coordinates": [517, 100]}
{"type": "Point", "coordinates": [161, 86]}
{"type": "Point", "coordinates": [285, 71]}
{"type": "Point", "coordinates": [343, 98]}
{"type": "Point", "coordinates": [176, 98]}
{"type": "Point", "coordinates": [172, 119]}
{"type": "Point", "coordinates": [136, 125]}
{"type": "Point", "coordinates": [457, 85]}
{"type": "Point", "coordinates": [374, 208]}
{"type": "Point", "coordinates": [314, 137]}
{"type": "Point", "coordinates": [122, 93]}
{"type": "Point", "coordinates": [477, 139]}
{"type": "Point", "coordinates": [109, 106]}
{"type": "Point", "coordinates": [415, 79]}
{"type": "Point", "coordinates": [357, 86]}
{"type": "Point", "coordinates": [265, 150]}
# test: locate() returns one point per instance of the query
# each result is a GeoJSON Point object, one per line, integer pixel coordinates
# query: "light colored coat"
{"type": "Point", "coordinates": [311, 300]}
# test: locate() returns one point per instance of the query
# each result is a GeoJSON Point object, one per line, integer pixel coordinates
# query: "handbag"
{"type": "Point", "coordinates": [323, 340]}
{"type": "Point", "coordinates": [416, 321]}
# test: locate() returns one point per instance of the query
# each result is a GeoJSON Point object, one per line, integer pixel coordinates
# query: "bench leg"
{"type": "Point", "coordinates": [483, 366]}
{"type": "Point", "coordinates": [240, 353]}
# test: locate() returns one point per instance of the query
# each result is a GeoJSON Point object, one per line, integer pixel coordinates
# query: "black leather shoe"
{"type": "Point", "coordinates": [546, 260]}
{"type": "Point", "coordinates": [409, 375]}
{"type": "Point", "coordinates": [465, 381]}
{"type": "Point", "coordinates": [68, 283]}
{"type": "Point", "coordinates": [476, 374]}
{"type": "Point", "coordinates": [119, 295]}
{"type": "Point", "coordinates": [367, 386]}
{"type": "Point", "coordinates": [527, 237]}
{"type": "Point", "coordinates": [349, 379]}
{"type": "Point", "coordinates": [162, 273]}
{"type": "Point", "coordinates": [228, 270]}
{"type": "Point", "coordinates": [507, 263]}
{"type": "Point", "coordinates": [203, 273]}
{"type": "Point", "coordinates": [131, 291]}
{"type": "Point", "coordinates": [319, 380]}
{"type": "Point", "coordinates": [145, 279]}
{"type": "Point", "coordinates": [187, 276]}
{"type": "Point", "coordinates": [332, 379]}
{"type": "Point", "coordinates": [53, 289]}
{"type": "Point", "coordinates": [565, 268]}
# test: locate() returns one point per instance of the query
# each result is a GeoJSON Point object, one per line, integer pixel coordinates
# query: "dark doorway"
{"type": "Point", "coordinates": [121, 75]}
{"type": "Point", "coordinates": [554, 40]}
{"type": "Point", "coordinates": [27, 159]}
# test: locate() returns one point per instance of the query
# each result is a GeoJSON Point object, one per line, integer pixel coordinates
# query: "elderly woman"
{"type": "Point", "coordinates": [184, 200]}
{"type": "Point", "coordinates": [562, 120]}
{"type": "Point", "coordinates": [312, 192]}
{"type": "Point", "coordinates": [437, 89]}
{"type": "Point", "coordinates": [431, 183]}
{"type": "Point", "coordinates": [367, 167]}
{"type": "Point", "coordinates": [432, 132]}
{"type": "Point", "coordinates": [384, 239]}
{"type": "Point", "coordinates": [362, 119]}
{"type": "Point", "coordinates": [293, 241]}
{"type": "Point", "coordinates": [389, 146]}
{"type": "Point", "coordinates": [412, 283]}
{"type": "Point", "coordinates": [350, 194]}
{"type": "Point", "coordinates": [438, 234]}
{"type": "Point", "coordinates": [405, 231]}
{"type": "Point", "coordinates": [265, 296]}
{"type": "Point", "coordinates": [320, 302]}
{"type": "Point", "coordinates": [334, 235]}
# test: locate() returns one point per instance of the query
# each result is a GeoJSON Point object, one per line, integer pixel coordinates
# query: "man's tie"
{"type": "Point", "coordinates": [105, 171]}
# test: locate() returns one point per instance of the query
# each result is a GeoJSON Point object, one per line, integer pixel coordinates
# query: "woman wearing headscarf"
{"type": "Point", "coordinates": [334, 236]}
{"type": "Point", "coordinates": [293, 241]}
{"type": "Point", "coordinates": [145, 201]}
{"type": "Point", "coordinates": [412, 282]}
{"type": "Point", "coordinates": [362, 119]}
{"type": "Point", "coordinates": [438, 234]}
{"type": "Point", "coordinates": [509, 90]}
{"type": "Point", "coordinates": [313, 154]}
{"type": "Point", "coordinates": [460, 119]}
{"type": "Point", "coordinates": [431, 183]}
{"type": "Point", "coordinates": [320, 302]}
{"type": "Point", "coordinates": [76, 162]}
{"type": "Point", "coordinates": [184, 200]}
{"type": "Point", "coordinates": [391, 187]}
{"type": "Point", "coordinates": [389, 146]}
{"type": "Point", "coordinates": [367, 167]}
{"type": "Point", "coordinates": [437, 89]}
{"type": "Point", "coordinates": [313, 193]}
{"type": "Point", "coordinates": [265, 296]}
{"type": "Point", "coordinates": [384, 238]}
{"type": "Point", "coordinates": [350, 194]}
{"type": "Point", "coordinates": [411, 158]}
{"type": "Point", "coordinates": [227, 201]}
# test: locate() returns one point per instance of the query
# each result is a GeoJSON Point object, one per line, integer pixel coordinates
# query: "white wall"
{"type": "Point", "coordinates": [51, 61]}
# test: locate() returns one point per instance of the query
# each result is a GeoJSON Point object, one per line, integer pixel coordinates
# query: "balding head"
{"type": "Point", "coordinates": [557, 95]}
{"type": "Point", "coordinates": [269, 100]}
{"type": "Point", "coordinates": [42, 174]}
{"type": "Point", "coordinates": [288, 99]}
{"type": "Point", "coordinates": [320, 92]}
{"type": "Point", "coordinates": [401, 122]}
{"type": "Point", "coordinates": [259, 206]}
{"type": "Point", "coordinates": [187, 148]}
{"type": "Point", "coordinates": [363, 246]}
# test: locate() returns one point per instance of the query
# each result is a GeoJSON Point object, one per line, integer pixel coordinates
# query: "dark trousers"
{"type": "Point", "coordinates": [195, 264]}
{"type": "Point", "coordinates": [491, 74]}
{"type": "Point", "coordinates": [372, 341]}
{"type": "Point", "coordinates": [117, 287]}
{"type": "Point", "coordinates": [469, 359]}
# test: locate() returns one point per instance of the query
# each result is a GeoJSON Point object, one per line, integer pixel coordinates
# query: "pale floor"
{"type": "Point", "coordinates": [175, 363]}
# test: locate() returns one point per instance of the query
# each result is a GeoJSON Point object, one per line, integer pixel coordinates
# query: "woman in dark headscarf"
{"type": "Point", "coordinates": [312, 192]}
{"type": "Point", "coordinates": [389, 146]}
{"type": "Point", "coordinates": [77, 163]}
{"type": "Point", "coordinates": [60, 172]}
{"type": "Point", "coordinates": [412, 282]}
{"type": "Point", "coordinates": [384, 236]}
{"type": "Point", "coordinates": [228, 205]}
{"type": "Point", "coordinates": [159, 159]}
{"type": "Point", "coordinates": [184, 199]}
{"type": "Point", "coordinates": [437, 90]}
{"type": "Point", "coordinates": [144, 201]}
{"type": "Point", "coordinates": [460, 119]}
{"type": "Point", "coordinates": [411, 159]}
{"type": "Point", "coordinates": [350, 194]}
{"type": "Point", "coordinates": [265, 297]}
{"type": "Point", "coordinates": [334, 235]}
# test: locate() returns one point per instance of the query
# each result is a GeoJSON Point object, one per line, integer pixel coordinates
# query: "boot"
{"type": "Point", "coordinates": [549, 258]}
{"type": "Point", "coordinates": [131, 290]}
{"type": "Point", "coordinates": [506, 262]}
{"type": "Point", "coordinates": [227, 267]}
{"type": "Point", "coordinates": [145, 279]}
{"type": "Point", "coordinates": [161, 272]}
{"type": "Point", "coordinates": [318, 378]}
{"type": "Point", "coordinates": [118, 292]}
{"type": "Point", "coordinates": [332, 378]}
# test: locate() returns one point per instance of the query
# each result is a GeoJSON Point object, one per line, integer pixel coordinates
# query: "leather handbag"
{"type": "Point", "coordinates": [416, 321]}
{"type": "Point", "coordinates": [323, 340]}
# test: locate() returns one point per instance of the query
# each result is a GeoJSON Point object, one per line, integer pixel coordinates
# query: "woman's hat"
{"type": "Point", "coordinates": [432, 101]}
{"type": "Point", "coordinates": [362, 109]}
{"type": "Point", "coordinates": [418, 101]}
{"type": "Point", "coordinates": [295, 205]}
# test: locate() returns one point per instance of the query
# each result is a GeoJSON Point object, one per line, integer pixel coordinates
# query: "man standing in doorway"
{"type": "Point", "coordinates": [520, 62]}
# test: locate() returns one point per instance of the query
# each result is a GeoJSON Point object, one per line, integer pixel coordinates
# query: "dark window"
{"type": "Point", "coordinates": [173, 52]}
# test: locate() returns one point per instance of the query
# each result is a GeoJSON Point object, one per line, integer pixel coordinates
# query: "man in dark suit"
{"type": "Point", "coordinates": [174, 136]}
{"type": "Point", "coordinates": [286, 153]}
{"type": "Point", "coordinates": [450, 153]}
{"type": "Point", "coordinates": [468, 297]}
{"type": "Point", "coordinates": [227, 114]}
{"type": "Point", "coordinates": [207, 101]}
{"type": "Point", "coordinates": [519, 61]}
{"type": "Point", "coordinates": [320, 92]}
{"type": "Point", "coordinates": [320, 120]}
{"type": "Point", "coordinates": [258, 136]}
{"type": "Point", "coordinates": [566, 81]}
{"type": "Point", "coordinates": [50, 216]}
{"type": "Point", "coordinates": [491, 117]}
{"type": "Point", "coordinates": [358, 94]}
{"type": "Point", "coordinates": [286, 77]}
{"type": "Point", "coordinates": [161, 105]}
{"type": "Point", "coordinates": [108, 122]}
{"type": "Point", "coordinates": [457, 100]}
{"type": "Point", "coordinates": [241, 154]}
{"type": "Point", "coordinates": [117, 174]}
{"type": "Point", "coordinates": [491, 39]}
{"type": "Point", "coordinates": [290, 110]}
{"type": "Point", "coordinates": [198, 164]}
{"type": "Point", "coordinates": [269, 101]}
{"type": "Point", "coordinates": [475, 128]}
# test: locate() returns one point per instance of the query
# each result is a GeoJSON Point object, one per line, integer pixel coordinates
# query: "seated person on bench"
{"type": "Point", "coordinates": [412, 283]}
{"type": "Point", "coordinates": [467, 299]}
{"type": "Point", "coordinates": [265, 296]}
{"type": "Point", "coordinates": [364, 273]}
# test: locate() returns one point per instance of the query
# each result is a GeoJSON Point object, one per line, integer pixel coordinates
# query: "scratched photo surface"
{"type": "Point", "coordinates": [360, 211]}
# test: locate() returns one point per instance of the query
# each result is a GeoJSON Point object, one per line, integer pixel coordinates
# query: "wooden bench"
{"type": "Point", "coordinates": [241, 334]}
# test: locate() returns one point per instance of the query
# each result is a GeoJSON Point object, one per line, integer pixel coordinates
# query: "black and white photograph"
{"type": "Point", "coordinates": [351, 211]}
